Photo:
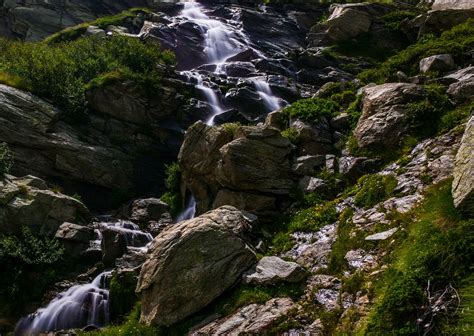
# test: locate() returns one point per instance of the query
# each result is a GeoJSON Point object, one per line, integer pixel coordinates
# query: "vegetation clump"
{"type": "Point", "coordinates": [62, 72]}
{"type": "Point", "coordinates": [26, 259]}
{"type": "Point", "coordinates": [438, 252]}
{"type": "Point", "coordinates": [455, 41]}
{"type": "Point", "coordinates": [374, 189]}
{"type": "Point", "coordinates": [6, 159]}
{"type": "Point", "coordinates": [173, 196]}
{"type": "Point", "coordinates": [312, 109]}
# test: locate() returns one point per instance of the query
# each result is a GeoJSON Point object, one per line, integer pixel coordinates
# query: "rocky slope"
{"type": "Point", "coordinates": [324, 170]}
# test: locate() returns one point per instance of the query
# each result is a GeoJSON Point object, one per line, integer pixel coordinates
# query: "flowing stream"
{"type": "Point", "coordinates": [221, 42]}
{"type": "Point", "coordinates": [85, 304]}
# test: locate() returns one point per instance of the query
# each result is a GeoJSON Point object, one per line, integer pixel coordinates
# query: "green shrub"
{"type": "Point", "coordinates": [27, 259]}
{"type": "Point", "coordinates": [312, 109]}
{"type": "Point", "coordinates": [455, 41]}
{"type": "Point", "coordinates": [131, 327]}
{"type": "Point", "coordinates": [425, 116]}
{"type": "Point", "coordinates": [6, 159]}
{"type": "Point", "coordinates": [393, 19]}
{"type": "Point", "coordinates": [374, 189]}
{"type": "Point", "coordinates": [61, 72]}
{"type": "Point", "coordinates": [173, 195]}
{"type": "Point", "coordinates": [291, 134]}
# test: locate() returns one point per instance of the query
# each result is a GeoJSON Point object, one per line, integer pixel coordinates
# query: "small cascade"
{"type": "Point", "coordinates": [221, 42]}
{"type": "Point", "coordinates": [79, 306]}
{"type": "Point", "coordinates": [272, 103]}
{"type": "Point", "coordinates": [134, 237]}
{"type": "Point", "coordinates": [189, 212]}
{"type": "Point", "coordinates": [85, 304]}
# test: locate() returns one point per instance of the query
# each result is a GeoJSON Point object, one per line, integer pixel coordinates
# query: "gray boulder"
{"type": "Point", "coordinates": [308, 164]}
{"type": "Point", "coordinates": [384, 109]}
{"type": "Point", "coordinates": [443, 62]}
{"type": "Point", "coordinates": [149, 209]}
{"type": "Point", "coordinates": [461, 87]}
{"type": "Point", "coordinates": [452, 4]}
{"type": "Point", "coordinates": [271, 270]}
{"type": "Point", "coordinates": [75, 238]}
{"type": "Point", "coordinates": [255, 319]}
{"type": "Point", "coordinates": [27, 202]}
{"type": "Point", "coordinates": [463, 184]}
{"type": "Point", "coordinates": [191, 263]}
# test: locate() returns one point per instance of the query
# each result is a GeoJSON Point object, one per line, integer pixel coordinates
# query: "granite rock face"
{"type": "Point", "coordinates": [191, 263]}
{"type": "Point", "coordinates": [463, 184]}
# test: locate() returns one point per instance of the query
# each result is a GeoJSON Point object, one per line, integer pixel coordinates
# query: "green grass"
{"type": "Point", "coordinates": [464, 324]}
{"type": "Point", "coordinates": [62, 72]}
{"type": "Point", "coordinates": [374, 189]}
{"type": "Point", "coordinates": [73, 33]}
{"type": "Point", "coordinates": [455, 41]}
{"type": "Point", "coordinates": [439, 248]}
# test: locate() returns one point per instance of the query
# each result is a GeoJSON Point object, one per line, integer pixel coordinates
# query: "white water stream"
{"type": "Point", "coordinates": [222, 42]}
{"type": "Point", "coordinates": [86, 304]}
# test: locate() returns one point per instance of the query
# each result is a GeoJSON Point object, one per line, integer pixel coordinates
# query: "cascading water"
{"type": "Point", "coordinates": [221, 43]}
{"type": "Point", "coordinates": [272, 103]}
{"type": "Point", "coordinates": [88, 304]}
{"type": "Point", "coordinates": [79, 306]}
{"type": "Point", "coordinates": [189, 212]}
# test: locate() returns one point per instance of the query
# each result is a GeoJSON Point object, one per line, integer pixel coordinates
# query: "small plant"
{"type": "Point", "coordinates": [291, 134]}
{"type": "Point", "coordinates": [173, 195]}
{"type": "Point", "coordinates": [374, 189]}
{"type": "Point", "coordinates": [231, 128]}
{"type": "Point", "coordinates": [6, 159]}
{"type": "Point", "coordinates": [312, 109]}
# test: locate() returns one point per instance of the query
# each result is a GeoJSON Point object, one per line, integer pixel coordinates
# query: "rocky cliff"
{"type": "Point", "coordinates": [236, 168]}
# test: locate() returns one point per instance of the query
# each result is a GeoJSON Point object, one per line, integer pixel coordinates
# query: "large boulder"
{"type": "Point", "coordinates": [463, 184]}
{"type": "Point", "coordinates": [191, 263]}
{"type": "Point", "coordinates": [383, 122]}
{"type": "Point", "coordinates": [27, 202]}
{"type": "Point", "coordinates": [461, 87]}
{"type": "Point", "coordinates": [32, 128]}
{"type": "Point", "coordinates": [258, 160]}
{"type": "Point", "coordinates": [75, 238]}
{"type": "Point", "coordinates": [221, 164]}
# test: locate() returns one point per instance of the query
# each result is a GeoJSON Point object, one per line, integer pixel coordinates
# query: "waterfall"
{"type": "Point", "coordinates": [87, 304]}
{"type": "Point", "coordinates": [189, 211]}
{"type": "Point", "coordinates": [221, 43]}
{"type": "Point", "coordinates": [79, 306]}
{"type": "Point", "coordinates": [272, 103]}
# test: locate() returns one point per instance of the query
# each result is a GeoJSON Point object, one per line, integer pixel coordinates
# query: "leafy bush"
{"type": "Point", "coordinates": [393, 19]}
{"type": "Point", "coordinates": [173, 195]}
{"type": "Point", "coordinates": [374, 189]}
{"type": "Point", "coordinates": [291, 134]}
{"type": "Point", "coordinates": [424, 116]}
{"type": "Point", "coordinates": [61, 72]}
{"type": "Point", "coordinates": [6, 159]}
{"type": "Point", "coordinates": [122, 294]}
{"type": "Point", "coordinates": [312, 109]}
{"type": "Point", "coordinates": [27, 260]}
{"type": "Point", "coordinates": [455, 41]}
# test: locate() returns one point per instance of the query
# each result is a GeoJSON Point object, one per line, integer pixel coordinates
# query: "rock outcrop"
{"type": "Point", "coordinates": [463, 184]}
{"type": "Point", "coordinates": [452, 4]}
{"type": "Point", "coordinates": [272, 270]}
{"type": "Point", "coordinates": [191, 263]}
{"type": "Point", "coordinates": [27, 202]}
{"type": "Point", "coordinates": [384, 109]}
{"type": "Point", "coordinates": [254, 319]}
{"type": "Point", "coordinates": [243, 167]}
